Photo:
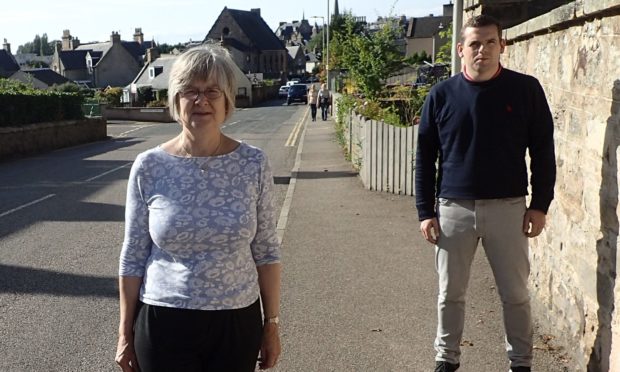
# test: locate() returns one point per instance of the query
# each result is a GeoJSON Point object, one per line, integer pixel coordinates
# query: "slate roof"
{"type": "Point", "coordinates": [292, 51]}
{"type": "Point", "coordinates": [73, 59]}
{"type": "Point", "coordinates": [425, 27]}
{"type": "Point", "coordinates": [160, 81]}
{"type": "Point", "coordinates": [134, 48]}
{"type": "Point", "coordinates": [46, 75]}
{"type": "Point", "coordinates": [255, 28]}
{"type": "Point", "coordinates": [7, 62]}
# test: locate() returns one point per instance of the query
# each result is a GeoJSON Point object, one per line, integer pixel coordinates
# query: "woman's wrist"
{"type": "Point", "coordinates": [272, 320]}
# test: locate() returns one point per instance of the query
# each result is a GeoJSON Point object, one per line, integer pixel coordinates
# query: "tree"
{"type": "Point", "coordinates": [444, 55]}
{"type": "Point", "coordinates": [39, 46]}
{"type": "Point", "coordinates": [370, 58]}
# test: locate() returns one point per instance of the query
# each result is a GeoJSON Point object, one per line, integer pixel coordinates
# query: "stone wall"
{"type": "Point", "coordinates": [42, 137]}
{"type": "Point", "coordinates": [574, 51]}
{"type": "Point", "coordinates": [156, 114]}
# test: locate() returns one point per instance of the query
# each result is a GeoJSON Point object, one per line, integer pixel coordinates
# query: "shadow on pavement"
{"type": "Point", "coordinates": [18, 280]}
{"type": "Point", "coordinates": [313, 175]}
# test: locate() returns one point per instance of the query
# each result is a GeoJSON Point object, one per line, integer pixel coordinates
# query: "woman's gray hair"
{"type": "Point", "coordinates": [202, 63]}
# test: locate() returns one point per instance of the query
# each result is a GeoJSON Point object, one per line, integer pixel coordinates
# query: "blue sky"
{"type": "Point", "coordinates": [173, 21]}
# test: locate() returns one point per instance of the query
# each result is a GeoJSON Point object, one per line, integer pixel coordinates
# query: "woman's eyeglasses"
{"type": "Point", "coordinates": [193, 94]}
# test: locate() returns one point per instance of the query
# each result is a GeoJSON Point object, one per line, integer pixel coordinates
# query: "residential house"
{"type": "Point", "coordinates": [252, 44]}
{"type": "Point", "coordinates": [103, 64]}
{"type": "Point", "coordinates": [8, 65]}
{"type": "Point", "coordinates": [296, 61]}
{"type": "Point", "coordinates": [40, 78]}
{"type": "Point", "coordinates": [423, 33]}
{"type": "Point", "coordinates": [296, 32]}
{"type": "Point", "coordinates": [156, 72]}
{"type": "Point", "coordinates": [311, 62]}
{"type": "Point", "coordinates": [28, 60]}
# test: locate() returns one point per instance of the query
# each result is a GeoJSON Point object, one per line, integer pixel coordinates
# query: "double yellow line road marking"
{"type": "Point", "coordinates": [292, 138]}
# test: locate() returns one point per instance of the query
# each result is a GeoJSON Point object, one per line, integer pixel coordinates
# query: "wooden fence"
{"type": "Point", "coordinates": [384, 154]}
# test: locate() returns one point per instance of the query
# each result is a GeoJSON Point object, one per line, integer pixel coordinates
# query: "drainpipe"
{"type": "Point", "coordinates": [457, 24]}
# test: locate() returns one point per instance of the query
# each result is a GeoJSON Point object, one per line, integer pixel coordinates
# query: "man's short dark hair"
{"type": "Point", "coordinates": [482, 20]}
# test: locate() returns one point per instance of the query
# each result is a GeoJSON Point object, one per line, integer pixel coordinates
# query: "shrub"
{"type": "Point", "coordinates": [21, 104]}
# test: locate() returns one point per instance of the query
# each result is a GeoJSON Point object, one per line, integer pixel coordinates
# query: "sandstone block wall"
{"type": "Point", "coordinates": [41, 137]}
{"type": "Point", "coordinates": [575, 53]}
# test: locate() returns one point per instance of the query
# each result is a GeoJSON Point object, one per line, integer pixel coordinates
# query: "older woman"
{"type": "Point", "coordinates": [200, 238]}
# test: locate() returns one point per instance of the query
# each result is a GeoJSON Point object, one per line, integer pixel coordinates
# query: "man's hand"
{"type": "Point", "coordinates": [533, 222]}
{"type": "Point", "coordinates": [430, 229]}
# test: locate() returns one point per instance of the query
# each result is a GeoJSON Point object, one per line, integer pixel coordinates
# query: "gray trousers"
{"type": "Point", "coordinates": [498, 223]}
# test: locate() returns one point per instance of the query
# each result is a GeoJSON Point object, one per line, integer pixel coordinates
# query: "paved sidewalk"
{"type": "Point", "coordinates": [359, 284]}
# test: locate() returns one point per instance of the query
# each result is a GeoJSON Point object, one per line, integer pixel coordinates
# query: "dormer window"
{"type": "Point", "coordinates": [154, 71]}
{"type": "Point", "coordinates": [89, 64]}
{"type": "Point", "coordinates": [225, 31]}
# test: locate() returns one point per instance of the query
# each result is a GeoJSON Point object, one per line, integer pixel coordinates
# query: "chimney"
{"type": "Point", "coordinates": [66, 40]}
{"type": "Point", "coordinates": [152, 54]}
{"type": "Point", "coordinates": [6, 46]}
{"type": "Point", "coordinates": [138, 36]}
{"type": "Point", "coordinates": [447, 9]}
{"type": "Point", "coordinates": [255, 10]}
{"type": "Point", "coordinates": [75, 43]}
{"type": "Point", "coordinates": [115, 38]}
{"type": "Point", "coordinates": [431, 15]}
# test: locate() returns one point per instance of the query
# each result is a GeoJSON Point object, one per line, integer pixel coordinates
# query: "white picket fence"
{"type": "Point", "coordinates": [384, 154]}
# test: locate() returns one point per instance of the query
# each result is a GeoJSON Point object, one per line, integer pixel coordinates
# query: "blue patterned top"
{"type": "Point", "coordinates": [196, 228]}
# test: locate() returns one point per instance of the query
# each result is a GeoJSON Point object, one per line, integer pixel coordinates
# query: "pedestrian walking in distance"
{"type": "Point", "coordinates": [313, 98]}
{"type": "Point", "coordinates": [325, 100]}
{"type": "Point", "coordinates": [200, 238]}
{"type": "Point", "coordinates": [477, 126]}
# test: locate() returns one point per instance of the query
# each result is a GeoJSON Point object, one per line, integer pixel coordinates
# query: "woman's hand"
{"type": "Point", "coordinates": [270, 348]}
{"type": "Point", "coordinates": [126, 355]}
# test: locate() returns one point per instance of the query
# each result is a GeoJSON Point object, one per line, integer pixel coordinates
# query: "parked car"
{"type": "Point", "coordinates": [283, 91]}
{"type": "Point", "coordinates": [297, 93]}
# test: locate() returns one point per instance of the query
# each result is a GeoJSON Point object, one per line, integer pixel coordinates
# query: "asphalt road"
{"type": "Point", "coordinates": [61, 229]}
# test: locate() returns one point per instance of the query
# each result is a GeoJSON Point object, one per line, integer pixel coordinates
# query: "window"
{"type": "Point", "coordinates": [151, 72]}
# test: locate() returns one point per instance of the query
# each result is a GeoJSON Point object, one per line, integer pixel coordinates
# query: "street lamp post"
{"type": "Point", "coordinates": [327, 61]}
{"type": "Point", "coordinates": [439, 28]}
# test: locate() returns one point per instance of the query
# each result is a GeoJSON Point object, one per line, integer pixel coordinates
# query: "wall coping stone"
{"type": "Point", "coordinates": [562, 17]}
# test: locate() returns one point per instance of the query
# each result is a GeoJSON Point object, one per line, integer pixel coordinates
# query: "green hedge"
{"type": "Point", "coordinates": [20, 104]}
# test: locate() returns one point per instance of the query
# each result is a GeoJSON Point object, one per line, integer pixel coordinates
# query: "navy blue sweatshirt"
{"type": "Point", "coordinates": [479, 133]}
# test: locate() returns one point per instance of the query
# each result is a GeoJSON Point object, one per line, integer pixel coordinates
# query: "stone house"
{"type": "Point", "coordinates": [423, 33]}
{"type": "Point", "coordinates": [573, 49]}
{"type": "Point", "coordinates": [252, 44]}
{"type": "Point", "coordinates": [296, 61]}
{"type": "Point", "coordinates": [156, 72]}
{"type": "Point", "coordinates": [8, 64]}
{"type": "Point", "coordinates": [296, 32]}
{"type": "Point", "coordinates": [113, 63]}
{"type": "Point", "coordinates": [40, 78]}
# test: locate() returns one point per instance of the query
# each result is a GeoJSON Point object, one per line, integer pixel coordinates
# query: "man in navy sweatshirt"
{"type": "Point", "coordinates": [471, 182]}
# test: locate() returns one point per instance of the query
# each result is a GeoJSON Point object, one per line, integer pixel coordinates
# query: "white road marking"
{"type": "Point", "coordinates": [288, 199]}
{"type": "Point", "coordinates": [27, 205]}
{"type": "Point", "coordinates": [107, 172]}
{"type": "Point", "coordinates": [133, 130]}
